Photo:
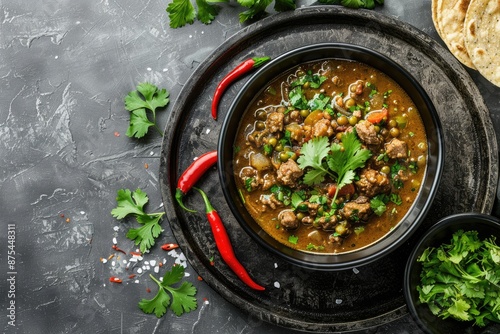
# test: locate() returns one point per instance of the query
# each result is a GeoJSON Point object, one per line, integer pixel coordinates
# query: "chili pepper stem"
{"type": "Point", "coordinates": [179, 195]}
{"type": "Point", "coordinates": [208, 206]}
{"type": "Point", "coordinates": [259, 61]}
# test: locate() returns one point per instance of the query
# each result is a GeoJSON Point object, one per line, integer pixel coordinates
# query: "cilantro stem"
{"type": "Point", "coordinates": [155, 280]}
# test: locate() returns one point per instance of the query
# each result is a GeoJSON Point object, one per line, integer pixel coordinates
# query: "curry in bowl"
{"type": "Point", "coordinates": [330, 156]}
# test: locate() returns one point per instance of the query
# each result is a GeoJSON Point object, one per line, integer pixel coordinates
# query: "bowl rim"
{"type": "Point", "coordinates": [411, 264]}
{"type": "Point", "coordinates": [344, 260]}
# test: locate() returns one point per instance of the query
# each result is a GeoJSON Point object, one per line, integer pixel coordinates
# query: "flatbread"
{"type": "Point", "coordinates": [450, 15]}
{"type": "Point", "coordinates": [434, 17]}
{"type": "Point", "coordinates": [482, 37]}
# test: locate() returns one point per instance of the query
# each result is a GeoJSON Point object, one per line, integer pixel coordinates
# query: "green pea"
{"type": "Point", "coordinates": [260, 125]}
{"type": "Point", "coordinates": [394, 132]}
{"type": "Point", "coordinates": [349, 103]}
{"type": "Point", "coordinates": [261, 115]}
{"type": "Point", "coordinates": [284, 157]}
{"type": "Point", "coordinates": [342, 120]}
{"type": "Point", "coordinates": [304, 113]}
{"type": "Point", "coordinates": [385, 169]}
{"type": "Point", "coordinates": [353, 120]}
{"type": "Point", "coordinates": [272, 141]}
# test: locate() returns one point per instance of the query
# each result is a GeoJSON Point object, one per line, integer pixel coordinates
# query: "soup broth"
{"type": "Point", "coordinates": [330, 156]}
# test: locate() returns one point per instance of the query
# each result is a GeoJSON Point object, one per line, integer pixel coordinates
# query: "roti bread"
{"type": "Point", "coordinates": [482, 31]}
{"type": "Point", "coordinates": [434, 17]}
{"type": "Point", "coordinates": [450, 15]}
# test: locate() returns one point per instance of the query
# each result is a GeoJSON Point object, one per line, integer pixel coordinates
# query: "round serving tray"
{"type": "Point", "coordinates": [298, 298]}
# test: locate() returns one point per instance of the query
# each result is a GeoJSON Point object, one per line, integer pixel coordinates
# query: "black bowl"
{"type": "Point", "coordinates": [413, 218]}
{"type": "Point", "coordinates": [440, 233]}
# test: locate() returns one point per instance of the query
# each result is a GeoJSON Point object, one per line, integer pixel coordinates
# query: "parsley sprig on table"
{"type": "Point", "coordinates": [180, 299]}
{"type": "Point", "coordinates": [339, 161]}
{"type": "Point", "coordinates": [132, 203]}
{"type": "Point", "coordinates": [368, 4]}
{"type": "Point", "coordinates": [182, 12]}
{"type": "Point", "coordinates": [146, 99]}
{"type": "Point", "coordinates": [462, 279]}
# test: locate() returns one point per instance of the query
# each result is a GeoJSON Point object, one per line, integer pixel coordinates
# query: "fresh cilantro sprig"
{"type": "Point", "coordinates": [146, 99]}
{"type": "Point", "coordinates": [461, 279]}
{"type": "Point", "coordinates": [336, 160]}
{"type": "Point", "coordinates": [132, 203]}
{"type": "Point", "coordinates": [180, 299]}
{"type": "Point", "coordinates": [368, 4]}
{"type": "Point", "coordinates": [183, 12]}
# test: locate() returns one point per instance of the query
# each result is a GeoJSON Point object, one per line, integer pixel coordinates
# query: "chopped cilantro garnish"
{"type": "Point", "coordinates": [312, 246]}
{"type": "Point", "coordinates": [461, 279]}
{"type": "Point", "coordinates": [378, 204]}
{"type": "Point", "coordinates": [293, 239]}
{"type": "Point", "coordinates": [396, 199]}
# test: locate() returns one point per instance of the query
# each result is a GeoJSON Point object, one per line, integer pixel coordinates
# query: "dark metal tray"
{"type": "Point", "coordinates": [298, 298]}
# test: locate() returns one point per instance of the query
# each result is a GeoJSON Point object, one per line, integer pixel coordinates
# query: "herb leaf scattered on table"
{"type": "Point", "coordinates": [180, 299]}
{"type": "Point", "coordinates": [132, 203]}
{"type": "Point", "coordinates": [146, 98]}
{"type": "Point", "coordinates": [182, 12]}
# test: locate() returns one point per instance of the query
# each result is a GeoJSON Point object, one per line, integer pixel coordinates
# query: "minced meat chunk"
{"type": "Point", "coordinates": [289, 172]}
{"type": "Point", "coordinates": [359, 209]}
{"type": "Point", "coordinates": [366, 132]}
{"type": "Point", "coordinates": [271, 201]}
{"type": "Point", "coordinates": [396, 149]}
{"type": "Point", "coordinates": [288, 220]}
{"type": "Point", "coordinates": [372, 182]}
{"type": "Point", "coordinates": [322, 128]}
{"type": "Point", "coordinates": [274, 122]}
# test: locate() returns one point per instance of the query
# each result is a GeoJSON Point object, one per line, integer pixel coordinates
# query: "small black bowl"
{"type": "Point", "coordinates": [440, 233]}
{"type": "Point", "coordinates": [260, 81]}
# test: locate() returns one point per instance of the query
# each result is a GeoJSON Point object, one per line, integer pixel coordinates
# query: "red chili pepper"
{"type": "Point", "coordinates": [223, 244]}
{"type": "Point", "coordinates": [115, 247]}
{"type": "Point", "coordinates": [192, 174]}
{"type": "Point", "coordinates": [114, 279]}
{"type": "Point", "coordinates": [167, 247]}
{"type": "Point", "coordinates": [243, 68]}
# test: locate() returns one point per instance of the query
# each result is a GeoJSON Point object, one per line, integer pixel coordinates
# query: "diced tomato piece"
{"type": "Point", "coordinates": [348, 189]}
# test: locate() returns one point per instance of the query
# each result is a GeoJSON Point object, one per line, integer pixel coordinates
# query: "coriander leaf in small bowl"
{"type": "Point", "coordinates": [452, 276]}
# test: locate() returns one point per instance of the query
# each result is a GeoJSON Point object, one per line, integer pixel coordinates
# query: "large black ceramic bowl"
{"type": "Point", "coordinates": [440, 233]}
{"type": "Point", "coordinates": [413, 218]}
